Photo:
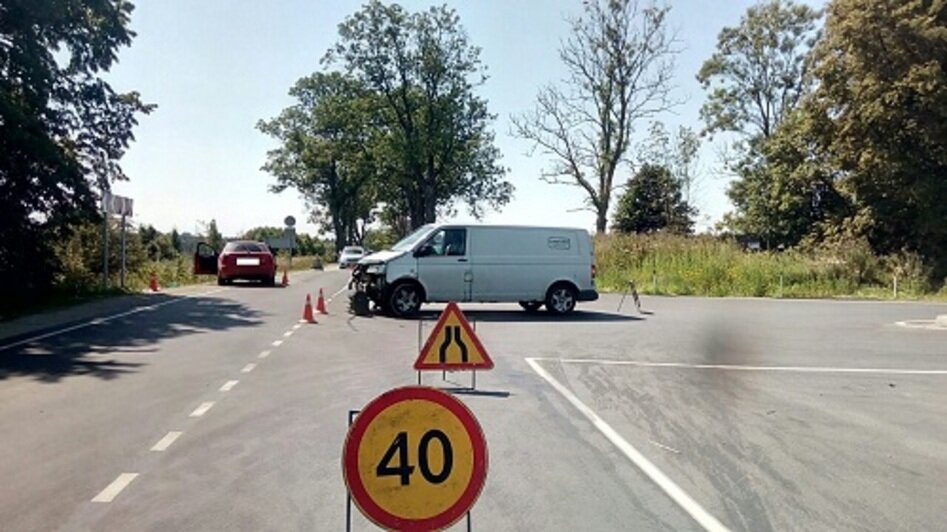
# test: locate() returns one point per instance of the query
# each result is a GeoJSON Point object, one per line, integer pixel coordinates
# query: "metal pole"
{"type": "Point", "coordinates": [105, 253]}
{"type": "Point", "coordinates": [123, 252]}
{"type": "Point", "coordinates": [468, 521]}
{"type": "Point", "coordinates": [348, 494]}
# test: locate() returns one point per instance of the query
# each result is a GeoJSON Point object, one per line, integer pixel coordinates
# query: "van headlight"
{"type": "Point", "coordinates": [375, 268]}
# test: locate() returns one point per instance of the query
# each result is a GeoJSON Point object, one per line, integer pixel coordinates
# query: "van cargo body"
{"type": "Point", "coordinates": [534, 266]}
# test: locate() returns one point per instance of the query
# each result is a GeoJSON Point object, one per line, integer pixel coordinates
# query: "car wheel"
{"type": "Point", "coordinates": [404, 300]}
{"type": "Point", "coordinates": [561, 299]}
{"type": "Point", "coordinates": [531, 306]}
{"type": "Point", "coordinates": [269, 281]}
{"type": "Point", "coordinates": [221, 281]}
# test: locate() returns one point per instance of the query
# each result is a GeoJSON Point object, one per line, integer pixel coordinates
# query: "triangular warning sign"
{"type": "Point", "coordinates": [453, 344]}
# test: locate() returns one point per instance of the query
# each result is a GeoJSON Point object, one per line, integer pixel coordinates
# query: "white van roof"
{"type": "Point", "coordinates": [499, 226]}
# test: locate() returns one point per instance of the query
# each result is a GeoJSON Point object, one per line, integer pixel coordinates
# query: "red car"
{"type": "Point", "coordinates": [242, 259]}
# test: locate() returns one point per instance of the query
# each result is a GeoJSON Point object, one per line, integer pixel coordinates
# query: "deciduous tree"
{"type": "Point", "coordinates": [620, 60]}
{"type": "Point", "coordinates": [435, 146]}
{"type": "Point", "coordinates": [63, 131]}
{"type": "Point", "coordinates": [652, 202]}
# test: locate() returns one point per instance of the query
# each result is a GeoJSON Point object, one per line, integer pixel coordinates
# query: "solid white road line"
{"type": "Point", "coordinates": [264, 354]}
{"type": "Point", "coordinates": [112, 490]}
{"type": "Point", "coordinates": [337, 292]}
{"type": "Point", "coordinates": [166, 442]}
{"type": "Point", "coordinates": [277, 343]}
{"type": "Point", "coordinates": [736, 367]}
{"type": "Point", "coordinates": [228, 386]}
{"type": "Point", "coordinates": [248, 368]}
{"type": "Point", "coordinates": [685, 501]}
{"type": "Point", "coordinates": [287, 334]}
{"type": "Point", "coordinates": [201, 410]}
{"type": "Point", "coordinates": [104, 319]}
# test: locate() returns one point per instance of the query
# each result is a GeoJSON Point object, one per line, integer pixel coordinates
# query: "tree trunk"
{"type": "Point", "coordinates": [339, 229]}
{"type": "Point", "coordinates": [601, 219]}
{"type": "Point", "coordinates": [430, 203]}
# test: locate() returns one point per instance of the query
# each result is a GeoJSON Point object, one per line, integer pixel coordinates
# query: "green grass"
{"type": "Point", "coordinates": [707, 266]}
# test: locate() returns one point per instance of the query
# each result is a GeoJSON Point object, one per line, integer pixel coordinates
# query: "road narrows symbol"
{"type": "Point", "coordinates": [452, 335]}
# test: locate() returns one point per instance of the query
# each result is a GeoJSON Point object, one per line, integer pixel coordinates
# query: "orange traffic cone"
{"type": "Point", "coordinates": [307, 311]}
{"type": "Point", "coordinates": [285, 281]}
{"type": "Point", "coordinates": [153, 283]}
{"type": "Point", "coordinates": [321, 304]}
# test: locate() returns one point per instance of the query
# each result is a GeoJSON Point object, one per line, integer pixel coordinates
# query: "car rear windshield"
{"type": "Point", "coordinates": [245, 247]}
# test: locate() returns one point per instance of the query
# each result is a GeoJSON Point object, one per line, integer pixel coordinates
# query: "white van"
{"type": "Point", "coordinates": [535, 266]}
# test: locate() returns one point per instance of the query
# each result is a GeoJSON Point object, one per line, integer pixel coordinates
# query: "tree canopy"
{"type": "Point", "coordinates": [431, 142]}
{"type": "Point", "coordinates": [653, 202]}
{"type": "Point", "coordinates": [758, 72]}
{"type": "Point", "coordinates": [64, 127]}
{"type": "Point", "coordinates": [329, 151]}
{"type": "Point", "coordinates": [879, 114]}
{"type": "Point", "coordinates": [620, 61]}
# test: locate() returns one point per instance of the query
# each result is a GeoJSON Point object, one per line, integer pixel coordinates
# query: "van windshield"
{"type": "Point", "coordinates": [409, 241]}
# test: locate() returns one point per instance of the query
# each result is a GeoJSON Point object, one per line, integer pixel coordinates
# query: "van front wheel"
{"type": "Point", "coordinates": [561, 299]}
{"type": "Point", "coordinates": [404, 300]}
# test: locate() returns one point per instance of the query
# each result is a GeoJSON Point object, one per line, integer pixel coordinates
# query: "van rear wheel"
{"type": "Point", "coordinates": [531, 306]}
{"type": "Point", "coordinates": [561, 299]}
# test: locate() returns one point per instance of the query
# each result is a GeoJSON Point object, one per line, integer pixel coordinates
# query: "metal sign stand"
{"type": "Point", "coordinates": [122, 278]}
{"type": "Point", "coordinates": [348, 494]}
{"type": "Point", "coordinates": [634, 296]}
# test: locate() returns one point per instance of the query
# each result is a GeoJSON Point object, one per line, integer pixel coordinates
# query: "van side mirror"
{"type": "Point", "coordinates": [424, 251]}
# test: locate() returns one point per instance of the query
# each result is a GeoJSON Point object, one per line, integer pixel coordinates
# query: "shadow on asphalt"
{"type": "Point", "coordinates": [79, 352]}
{"type": "Point", "coordinates": [539, 317]}
{"type": "Point", "coordinates": [458, 390]}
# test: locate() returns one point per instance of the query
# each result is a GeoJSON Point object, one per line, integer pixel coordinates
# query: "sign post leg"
{"type": "Point", "coordinates": [348, 494]}
{"type": "Point", "coordinates": [468, 521]}
{"type": "Point", "coordinates": [123, 253]}
{"type": "Point", "coordinates": [105, 250]}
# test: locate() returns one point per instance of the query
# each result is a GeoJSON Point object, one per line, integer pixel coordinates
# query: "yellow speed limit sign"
{"type": "Point", "coordinates": [414, 459]}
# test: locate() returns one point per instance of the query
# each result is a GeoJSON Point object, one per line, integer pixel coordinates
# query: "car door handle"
{"type": "Point", "coordinates": [461, 260]}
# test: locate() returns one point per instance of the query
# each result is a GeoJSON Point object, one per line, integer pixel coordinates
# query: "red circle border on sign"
{"type": "Point", "coordinates": [350, 469]}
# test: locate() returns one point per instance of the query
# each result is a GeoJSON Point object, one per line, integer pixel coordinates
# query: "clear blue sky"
{"type": "Point", "coordinates": [215, 67]}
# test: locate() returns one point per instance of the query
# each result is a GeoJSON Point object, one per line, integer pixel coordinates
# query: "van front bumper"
{"type": "Point", "coordinates": [588, 295]}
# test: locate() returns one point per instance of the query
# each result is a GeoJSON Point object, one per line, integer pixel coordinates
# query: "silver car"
{"type": "Point", "coordinates": [350, 256]}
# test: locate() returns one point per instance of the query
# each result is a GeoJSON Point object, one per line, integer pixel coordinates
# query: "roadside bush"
{"type": "Point", "coordinates": [709, 266]}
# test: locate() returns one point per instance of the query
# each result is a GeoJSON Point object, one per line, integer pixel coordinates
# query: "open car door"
{"type": "Point", "coordinates": [205, 260]}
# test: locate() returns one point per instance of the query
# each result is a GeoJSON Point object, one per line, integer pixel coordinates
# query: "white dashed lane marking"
{"type": "Point", "coordinates": [287, 334]}
{"type": "Point", "coordinates": [112, 490]}
{"type": "Point", "coordinates": [228, 386]}
{"type": "Point", "coordinates": [277, 343]}
{"type": "Point", "coordinates": [248, 368]}
{"type": "Point", "coordinates": [201, 410]}
{"type": "Point", "coordinates": [166, 442]}
{"type": "Point", "coordinates": [297, 326]}
{"type": "Point", "coordinates": [264, 354]}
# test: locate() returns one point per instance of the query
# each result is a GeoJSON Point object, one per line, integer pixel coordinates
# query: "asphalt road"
{"type": "Point", "coordinates": [220, 411]}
